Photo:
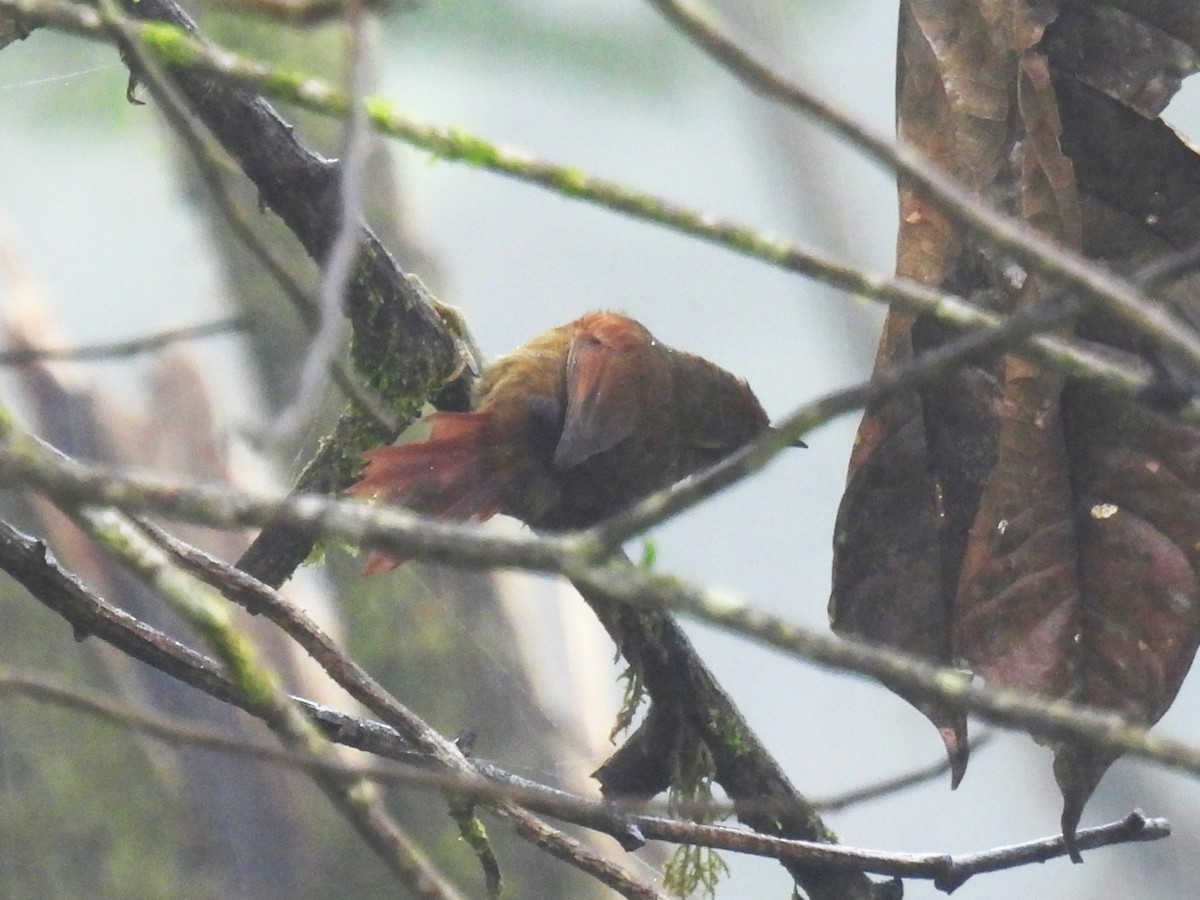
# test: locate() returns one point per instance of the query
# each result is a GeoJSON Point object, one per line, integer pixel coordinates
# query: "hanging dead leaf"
{"type": "Point", "coordinates": [1038, 532]}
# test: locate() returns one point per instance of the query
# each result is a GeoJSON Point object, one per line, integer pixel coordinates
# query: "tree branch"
{"type": "Point", "coordinates": [402, 345]}
{"type": "Point", "coordinates": [209, 158]}
{"type": "Point", "coordinates": [888, 786]}
{"type": "Point", "coordinates": [70, 484]}
{"type": "Point", "coordinates": [27, 561]}
{"type": "Point", "coordinates": [149, 343]}
{"type": "Point", "coordinates": [456, 144]}
{"type": "Point", "coordinates": [1120, 297]}
{"type": "Point", "coordinates": [335, 276]}
{"type": "Point", "coordinates": [204, 610]}
{"type": "Point", "coordinates": [948, 871]}
{"type": "Point", "coordinates": [432, 747]}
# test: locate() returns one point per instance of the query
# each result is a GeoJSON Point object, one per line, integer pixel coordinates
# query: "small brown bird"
{"type": "Point", "coordinates": [568, 429]}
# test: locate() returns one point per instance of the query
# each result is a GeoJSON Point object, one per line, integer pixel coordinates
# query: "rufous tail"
{"type": "Point", "coordinates": [445, 476]}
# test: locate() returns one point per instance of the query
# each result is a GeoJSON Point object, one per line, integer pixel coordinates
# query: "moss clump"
{"type": "Point", "coordinates": [693, 871]}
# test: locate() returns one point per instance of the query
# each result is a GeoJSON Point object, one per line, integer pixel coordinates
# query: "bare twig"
{"type": "Point", "coordinates": [209, 159]}
{"type": "Point", "coordinates": [184, 732]}
{"type": "Point", "coordinates": [206, 612]}
{"type": "Point", "coordinates": [303, 12]}
{"type": "Point", "coordinates": [119, 349]}
{"type": "Point", "coordinates": [433, 748]}
{"type": "Point", "coordinates": [338, 265]}
{"type": "Point", "coordinates": [22, 463]}
{"type": "Point", "coordinates": [456, 144]}
{"type": "Point", "coordinates": [1121, 297]}
{"type": "Point", "coordinates": [1134, 827]}
{"type": "Point", "coordinates": [752, 458]}
{"type": "Point", "coordinates": [568, 849]}
{"type": "Point", "coordinates": [888, 786]}
{"type": "Point", "coordinates": [947, 871]}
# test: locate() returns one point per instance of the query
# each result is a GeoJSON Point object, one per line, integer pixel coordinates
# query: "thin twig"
{"type": "Point", "coordinates": [206, 612]}
{"type": "Point", "coordinates": [568, 849]}
{"type": "Point", "coordinates": [670, 501]}
{"type": "Point", "coordinates": [339, 263]}
{"type": "Point", "coordinates": [1134, 827]}
{"type": "Point", "coordinates": [28, 561]}
{"type": "Point", "coordinates": [947, 871]}
{"type": "Point", "coordinates": [1121, 297]}
{"type": "Point", "coordinates": [120, 349]}
{"type": "Point", "coordinates": [209, 158]}
{"type": "Point", "coordinates": [433, 748]}
{"type": "Point", "coordinates": [24, 463]}
{"type": "Point", "coordinates": [888, 786]}
{"type": "Point", "coordinates": [457, 144]}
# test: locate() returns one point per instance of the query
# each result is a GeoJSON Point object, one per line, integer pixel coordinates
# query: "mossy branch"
{"type": "Point", "coordinates": [26, 464]}
{"type": "Point", "coordinates": [26, 560]}
{"type": "Point", "coordinates": [208, 613]}
{"type": "Point", "coordinates": [175, 47]}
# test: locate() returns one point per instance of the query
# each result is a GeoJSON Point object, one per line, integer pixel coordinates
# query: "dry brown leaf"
{"type": "Point", "coordinates": [1038, 532]}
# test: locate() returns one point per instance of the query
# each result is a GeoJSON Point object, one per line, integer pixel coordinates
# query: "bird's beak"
{"type": "Point", "coordinates": [795, 443]}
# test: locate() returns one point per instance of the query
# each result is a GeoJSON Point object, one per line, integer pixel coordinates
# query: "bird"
{"type": "Point", "coordinates": [570, 428]}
